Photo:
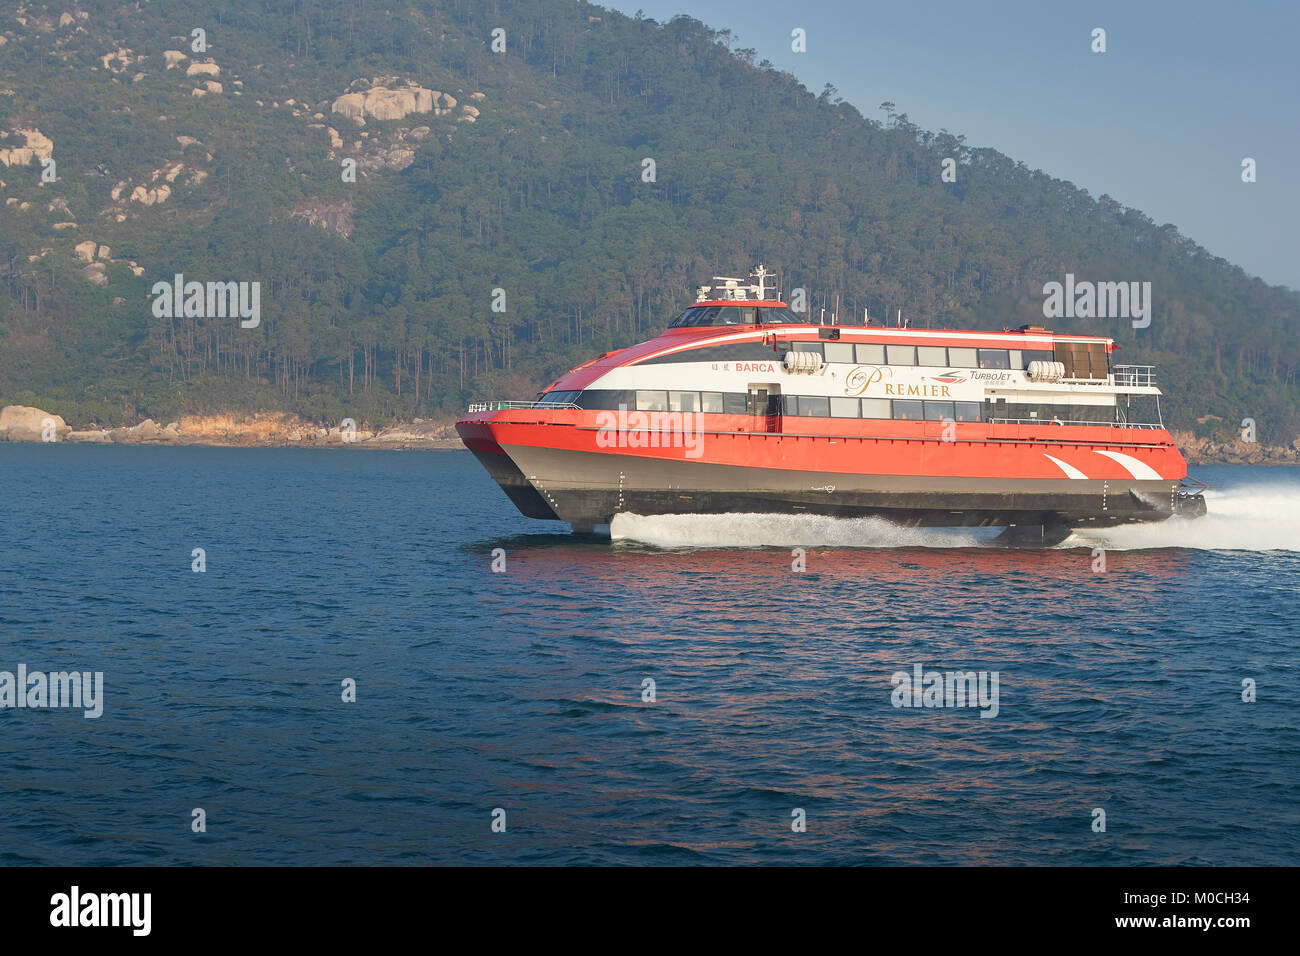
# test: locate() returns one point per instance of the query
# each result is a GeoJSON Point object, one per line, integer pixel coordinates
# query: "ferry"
{"type": "Point", "coordinates": [741, 405]}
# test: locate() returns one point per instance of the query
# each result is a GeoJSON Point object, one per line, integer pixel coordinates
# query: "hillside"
{"type": "Point", "coordinates": [520, 171]}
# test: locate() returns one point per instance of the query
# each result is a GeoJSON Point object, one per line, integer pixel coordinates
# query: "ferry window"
{"type": "Point", "coordinates": [901, 354]}
{"type": "Point", "coordinates": [931, 355]}
{"type": "Point", "coordinates": [839, 352]}
{"type": "Point", "coordinates": [1015, 356]}
{"type": "Point", "coordinates": [610, 398]}
{"type": "Point", "coordinates": [844, 408]}
{"type": "Point", "coordinates": [683, 401]}
{"type": "Point", "coordinates": [938, 411]}
{"type": "Point", "coordinates": [711, 402]}
{"type": "Point", "coordinates": [778, 317]}
{"type": "Point", "coordinates": [735, 403]}
{"type": "Point", "coordinates": [994, 358]}
{"type": "Point", "coordinates": [909, 410]}
{"type": "Point", "coordinates": [651, 401]}
{"type": "Point", "coordinates": [876, 408]}
{"type": "Point", "coordinates": [790, 404]}
{"type": "Point", "coordinates": [749, 315]}
{"type": "Point", "coordinates": [1036, 355]}
{"type": "Point", "coordinates": [871, 355]}
{"type": "Point", "coordinates": [814, 406]}
{"type": "Point", "coordinates": [727, 316]}
{"type": "Point", "coordinates": [809, 347]}
{"type": "Point", "coordinates": [962, 358]}
{"type": "Point", "coordinates": [558, 398]}
{"type": "Point", "coordinates": [703, 316]}
{"type": "Point", "coordinates": [967, 412]}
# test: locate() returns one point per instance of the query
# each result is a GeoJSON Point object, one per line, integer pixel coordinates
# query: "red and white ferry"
{"type": "Point", "coordinates": [740, 405]}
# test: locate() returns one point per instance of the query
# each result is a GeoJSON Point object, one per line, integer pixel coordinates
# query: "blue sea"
{"type": "Point", "coordinates": [522, 695]}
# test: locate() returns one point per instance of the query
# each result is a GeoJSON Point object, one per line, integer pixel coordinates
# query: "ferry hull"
{"type": "Point", "coordinates": [585, 489]}
{"type": "Point", "coordinates": [588, 487]}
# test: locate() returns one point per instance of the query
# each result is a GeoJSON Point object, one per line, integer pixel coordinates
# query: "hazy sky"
{"type": "Point", "coordinates": [1161, 121]}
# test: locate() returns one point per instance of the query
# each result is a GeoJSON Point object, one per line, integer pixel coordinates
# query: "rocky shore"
{"type": "Point", "coordinates": [1207, 451]}
{"type": "Point", "coordinates": [22, 423]}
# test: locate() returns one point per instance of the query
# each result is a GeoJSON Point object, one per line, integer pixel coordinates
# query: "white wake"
{"type": "Point", "coordinates": [1246, 518]}
{"type": "Point", "coordinates": [785, 531]}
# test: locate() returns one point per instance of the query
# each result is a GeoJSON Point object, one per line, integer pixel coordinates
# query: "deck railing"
{"type": "Point", "coordinates": [503, 406]}
{"type": "Point", "coordinates": [1135, 375]}
{"type": "Point", "coordinates": [1055, 421]}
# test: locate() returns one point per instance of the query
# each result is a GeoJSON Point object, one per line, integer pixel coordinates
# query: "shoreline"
{"type": "Point", "coordinates": [20, 423]}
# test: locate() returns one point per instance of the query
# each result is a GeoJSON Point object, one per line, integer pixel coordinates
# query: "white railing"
{"type": "Point", "coordinates": [1143, 376]}
{"type": "Point", "coordinates": [503, 406]}
{"type": "Point", "coordinates": [1057, 421]}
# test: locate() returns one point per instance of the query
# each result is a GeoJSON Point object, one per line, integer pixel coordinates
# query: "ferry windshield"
{"type": "Point", "coordinates": [734, 315]}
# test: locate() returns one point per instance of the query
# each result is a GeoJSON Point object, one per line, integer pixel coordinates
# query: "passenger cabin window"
{"type": "Point", "coordinates": [876, 408]}
{"type": "Point", "coordinates": [844, 408]}
{"type": "Point", "coordinates": [994, 358]}
{"type": "Point", "coordinates": [967, 411]}
{"type": "Point", "coordinates": [813, 406]}
{"type": "Point", "coordinates": [963, 358]}
{"type": "Point", "coordinates": [931, 355]}
{"type": "Point", "coordinates": [684, 401]}
{"type": "Point", "coordinates": [871, 355]}
{"type": "Point", "coordinates": [909, 410]}
{"type": "Point", "coordinates": [651, 401]}
{"type": "Point", "coordinates": [938, 411]}
{"type": "Point", "coordinates": [839, 352]}
{"type": "Point", "coordinates": [901, 354]}
{"type": "Point", "coordinates": [809, 347]}
{"type": "Point", "coordinates": [711, 403]}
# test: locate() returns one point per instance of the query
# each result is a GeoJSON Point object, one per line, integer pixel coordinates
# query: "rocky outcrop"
{"type": "Point", "coordinates": [333, 217]}
{"type": "Point", "coordinates": [203, 69]}
{"type": "Point", "coordinates": [385, 100]}
{"type": "Point", "coordinates": [173, 57]}
{"type": "Point", "coordinates": [36, 146]}
{"type": "Point", "coordinates": [1207, 451]}
{"type": "Point", "coordinates": [25, 423]}
{"type": "Point", "coordinates": [236, 430]}
{"type": "Point", "coordinates": [150, 197]}
{"type": "Point", "coordinates": [119, 60]}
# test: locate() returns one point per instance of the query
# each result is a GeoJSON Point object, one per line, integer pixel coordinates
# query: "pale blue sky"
{"type": "Point", "coordinates": [1161, 121]}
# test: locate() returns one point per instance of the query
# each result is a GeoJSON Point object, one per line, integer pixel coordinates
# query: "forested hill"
{"type": "Point", "coordinates": [522, 171]}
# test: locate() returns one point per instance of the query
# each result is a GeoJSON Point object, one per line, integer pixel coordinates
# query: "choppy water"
{"type": "Point", "coordinates": [523, 690]}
